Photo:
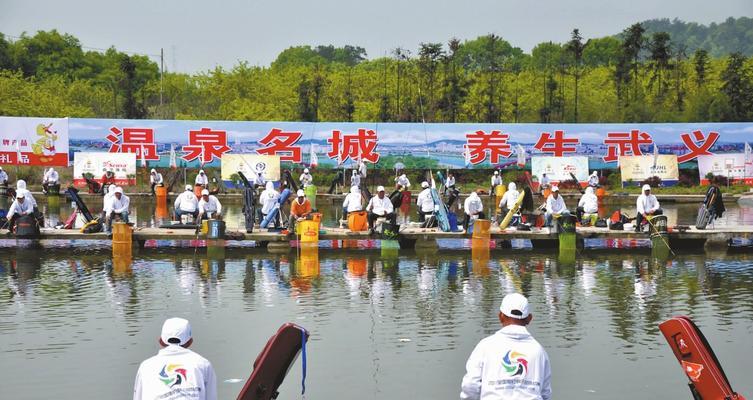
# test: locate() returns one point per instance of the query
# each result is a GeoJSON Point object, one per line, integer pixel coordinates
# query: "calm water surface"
{"type": "Point", "coordinates": [75, 323]}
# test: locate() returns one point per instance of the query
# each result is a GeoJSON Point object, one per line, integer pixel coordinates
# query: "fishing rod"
{"type": "Point", "coordinates": [660, 236]}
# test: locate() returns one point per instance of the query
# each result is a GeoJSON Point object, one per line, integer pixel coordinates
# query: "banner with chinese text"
{"type": "Point", "coordinates": [34, 141]}
{"type": "Point", "coordinates": [418, 145]}
{"type": "Point", "coordinates": [95, 164]}
{"type": "Point", "coordinates": [559, 168]}
{"type": "Point", "coordinates": [636, 169]}
{"type": "Point", "coordinates": [731, 165]}
{"type": "Point", "coordinates": [250, 165]}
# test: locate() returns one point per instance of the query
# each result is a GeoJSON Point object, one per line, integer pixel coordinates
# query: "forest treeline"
{"type": "Point", "coordinates": [656, 71]}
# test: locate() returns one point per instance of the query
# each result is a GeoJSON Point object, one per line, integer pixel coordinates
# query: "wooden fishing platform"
{"type": "Point", "coordinates": [414, 237]}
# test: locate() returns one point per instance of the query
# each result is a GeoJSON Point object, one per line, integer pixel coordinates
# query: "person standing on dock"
{"type": "Point", "coordinates": [402, 181]}
{"type": "Point", "coordinates": [425, 202]}
{"type": "Point", "coordinates": [507, 202]}
{"type": "Point", "coordinates": [175, 372]}
{"type": "Point", "coordinates": [647, 206]}
{"type": "Point", "coordinates": [51, 177]}
{"type": "Point", "coordinates": [588, 204]}
{"type": "Point", "coordinates": [496, 180]}
{"type": "Point", "coordinates": [209, 206]}
{"type": "Point", "coordinates": [593, 180]}
{"type": "Point", "coordinates": [300, 208]}
{"type": "Point", "coordinates": [155, 179]}
{"type": "Point", "coordinates": [118, 205]}
{"type": "Point", "coordinates": [3, 178]}
{"type": "Point", "coordinates": [186, 203]}
{"type": "Point", "coordinates": [355, 179]}
{"type": "Point", "coordinates": [474, 209]}
{"type": "Point", "coordinates": [202, 180]}
{"type": "Point", "coordinates": [509, 364]}
{"type": "Point", "coordinates": [555, 206]}
{"type": "Point", "coordinates": [306, 179]}
{"type": "Point", "coordinates": [380, 206]}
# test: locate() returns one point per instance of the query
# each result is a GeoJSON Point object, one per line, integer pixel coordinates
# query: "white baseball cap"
{"type": "Point", "coordinates": [189, 188]}
{"type": "Point", "coordinates": [496, 172]}
{"type": "Point", "coordinates": [205, 192]}
{"type": "Point", "coordinates": [380, 188]}
{"type": "Point", "coordinates": [176, 331]}
{"type": "Point", "coordinates": [424, 184]}
{"type": "Point", "coordinates": [154, 170]}
{"type": "Point", "coordinates": [515, 305]}
{"type": "Point", "coordinates": [646, 187]}
{"type": "Point", "coordinates": [300, 193]}
{"type": "Point", "coordinates": [201, 171]}
{"type": "Point", "coordinates": [119, 190]}
{"type": "Point", "coordinates": [555, 189]}
{"type": "Point", "coordinates": [305, 170]}
{"type": "Point", "coordinates": [21, 193]}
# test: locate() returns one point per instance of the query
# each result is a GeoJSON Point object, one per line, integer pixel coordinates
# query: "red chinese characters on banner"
{"type": "Point", "coordinates": [361, 145]}
{"type": "Point", "coordinates": [280, 143]}
{"type": "Point", "coordinates": [494, 143]}
{"type": "Point", "coordinates": [557, 144]}
{"type": "Point", "coordinates": [697, 144]}
{"type": "Point", "coordinates": [205, 144]}
{"type": "Point", "coordinates": [625, 144]}
{"type": "Point", "coordinates": [132, 140]}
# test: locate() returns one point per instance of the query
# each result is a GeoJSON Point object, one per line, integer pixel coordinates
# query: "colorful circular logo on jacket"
{"type": "Point", "coordinates": [172, 374]}
{"type": "Point", "coordinates": [515, 363]}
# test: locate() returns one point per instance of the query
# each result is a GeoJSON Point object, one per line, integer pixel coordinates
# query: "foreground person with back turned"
{"type": "Point", "coordinates": [175, 372]}
{"type": "Point", "coordinates": [509, 364]}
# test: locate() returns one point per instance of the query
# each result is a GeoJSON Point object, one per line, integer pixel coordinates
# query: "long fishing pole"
{"type": "Point", "coordinates": [660, 236]}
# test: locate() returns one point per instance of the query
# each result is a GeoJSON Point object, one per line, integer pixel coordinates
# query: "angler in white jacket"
{"type": "Point", "coordinates": [496, 180]}
{"type": "Point", "coordinates": [588, 204]}
{"type": "Point", "coordinates": [555, 206]}
{"type": "Point", "coordinates": [186, 203]}
{"type": "Point", "coordinates": [268, 199]}
{"type": "Point", "coordinates": [425, 202]}
{"type": "Point", "coordinates": [474, 209]}
{"type": "Point", "coordinates": [509, 198]}
{"type": "Point", "coordinates": [403, 181]}
{"type": "Point", "coordinates": [647, 206]}
{"type": "Point", "coordinates": [353, 202]}
{"type": "Point", "coordinates": [509, 364]}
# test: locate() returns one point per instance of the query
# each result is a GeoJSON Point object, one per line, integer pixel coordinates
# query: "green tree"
{"type": "Point", "coordinates": [700, 64]}
{"type": "Point", "coordinates": [737, 86]}
{"type": "Point", "coordinates": [575, 48]}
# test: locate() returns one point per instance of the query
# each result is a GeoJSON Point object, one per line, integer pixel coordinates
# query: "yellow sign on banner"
{"type": "Point", "coordinates": [250, 165]}
{"type": "Point", "coordinates": [636, 169]}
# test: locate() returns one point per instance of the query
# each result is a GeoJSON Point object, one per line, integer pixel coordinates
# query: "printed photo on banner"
{"type": "Point", "coordinates": [95, 165]}
{"type": "Point", "coordinates": [636, 169]}
{"type": "Point", "coordinates": [34, 141]}
{"type": "Point", "coordinates": [732, 165]}
{"type": "Point", "coordinates": [250, 165]}
{"type": "Point", "coordinates": [559, 169]}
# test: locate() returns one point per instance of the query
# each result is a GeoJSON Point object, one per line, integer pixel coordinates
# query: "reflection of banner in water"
{"type": "Point", "coordinates": [559, 168]}
{"type": "Point", "coordinates": [34, 141]}
{"type": "Point", "coordinates": [636, 169]}
{"type": "Point", "coordinates": [731, 165]}
{"type": "Point", "coordinates": [250, 164]}
{"type": "Point", "coordinates": [123, 166]}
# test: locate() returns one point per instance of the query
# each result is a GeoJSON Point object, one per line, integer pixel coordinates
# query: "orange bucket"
{"type": "Point", "coordinates": [600, 192]}
{"type": "Point", "coordinates": [197, 190]}
{"type": "Point", "coordinates": [481, 229]}
{"type": "Point", "coordinates": [357, 221]}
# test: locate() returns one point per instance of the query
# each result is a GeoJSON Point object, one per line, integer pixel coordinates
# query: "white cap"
{"type": "Point", "coordinates": [515, 305]}
{"type": "Point", "coordinates": [305, 170]}
{"type": "Point", "coordinates": [154, 170]}
{"type": "Point", "coordinates": [645, 187]}
{"type": "Point", "coordinates": [189, 188]}
{"type": "Point", "coordinates": [201, 171]}
{"type": "Point", "coordinates": [300, 193]}
{"type": "Point", "coordinates": [424, 184]}
{"type": "Point", "coordinates": [176, 331]}
{"type": "Point", "coordinates": [205, 192]}
{"type": "Point", "coordinates": [380, 188]}
{"type": "Point", "coordinates": [555, 188]}
{"type": "Point", "coordinates": [119, 190]}
{"type": "Point", "coordinates": [496, 172]}
{"type": "Point", "coordinates": [21, 193]}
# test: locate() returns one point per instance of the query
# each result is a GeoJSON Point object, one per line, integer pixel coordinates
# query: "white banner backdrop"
{"type": "Point", "coordinates": [123, 166]}
{"type": "Point", "coordinates": [559, 168]}
{"type": "Point", "coordinates": [732, 165]}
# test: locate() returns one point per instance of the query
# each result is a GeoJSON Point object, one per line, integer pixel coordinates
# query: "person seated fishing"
{"type": "Point", "coordinates": [259, 180]}
{"type": "Point", "coordinates": [380, 206]}
{"type": "Point", "coordinates": [202, 180]}
{"type": "Point", "coordinates": [268, 200]}
{"type": "Point", "coordinates": [507, 202]}
{"type": "Point", "coordinates": [496, 181]}
{"type": "Point", "coordinates": [106, 200]}
{"type": "Point", "coordinates": [20, 207]}
{"type": "Point", "coordinates": [587, 205]}
{"type": "Point", "coordinates": [425, 202]}
{"type": "Point", "coordinates": [449, 183]}
{"type": "Point", "coordinates": [555, 206]}
{"type": "Point", "coordinates": [155, 179]}
{"type": "Point", "coordinates": [186, 204]}
{"type": "Point", "coordinates": [50, 178]}
{"type": "Point", "coordinates": [306, 179]}
{"type": "Point", "coordinates": [117, 206]}
{"type": "Point", "coordinates": [355, 179]}
{"type": "Point", "coordinates": [546, 183]}
{"type": "Point", "coordinates": [593, 180]}
{"type": "Point", "coordinates": [353, 202]}
{"type": "Point", "coordinates": [175, 372]}
{"type": "Point", "coordinates": [108, 179]}
{"type": "Point", "coordinates": [3, 178]}
{"type": "Point", "coordinates": [402, 182]}
{"type": "Point", "coordinates": [300, 208]}
{"type": "Point", "coordinates": [21, 185]}
{"type": "Point", "coordinates": [209, 206]}
{"type": "Point", "coordinates": [474, 209]}
{"type": "Point", "coordinates": [647, 206]}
